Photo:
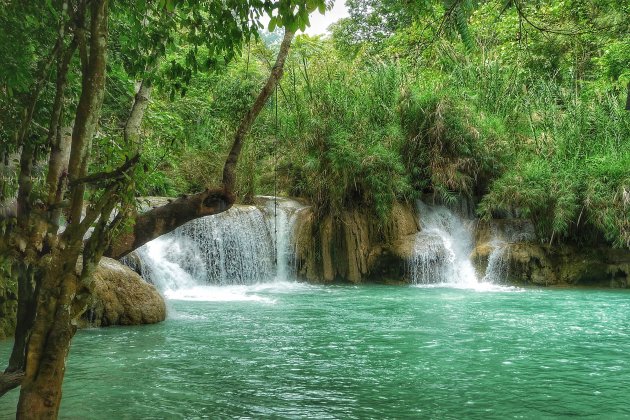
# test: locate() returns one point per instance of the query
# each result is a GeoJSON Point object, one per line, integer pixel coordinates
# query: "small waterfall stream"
{"type": "Point", "coordinates": [497, 268]}
{"type": "Point", "coordinates": [442, 248]}
{"type": "Point", "coordinates": [237, 247]}
{"type": "Point", "coordinates": [281, 214]}
{"type": "Point", "coordinates": [503, 235]}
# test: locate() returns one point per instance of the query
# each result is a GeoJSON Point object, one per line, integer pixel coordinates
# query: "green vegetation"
{"type": "Point", "coordinates": [527, 114]}
{"type": "Point", "coordinates": [522, 106]}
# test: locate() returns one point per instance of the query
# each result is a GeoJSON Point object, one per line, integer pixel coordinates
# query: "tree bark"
{"type": "Point", "coordinates": [140, 104]}
{"type": "Point", "coordinates": [88, 109]}
{"type": "Point", "coordinates": [229, 169]}
{"type": "Point", "coordinates": [48, 345]}
{"type": "Point", "coordinates": [9, 381]}
{"type": "Point", "coordinates": [58, 142]}
{"type": "Point", "coordinates": [59, 286]}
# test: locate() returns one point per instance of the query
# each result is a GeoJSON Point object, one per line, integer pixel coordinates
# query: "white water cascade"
{"type": "Point", "coordinates": [237, 247]}
{"type": "Point", "coordinates": [281, 215]}
{"type": "Point", "coordinates": [503, 235]}
{"type": "Point", "coordinates": [442, 248]}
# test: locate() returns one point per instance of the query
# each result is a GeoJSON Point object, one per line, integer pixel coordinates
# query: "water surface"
{"type": "Point", "coordinates": [298, 351]}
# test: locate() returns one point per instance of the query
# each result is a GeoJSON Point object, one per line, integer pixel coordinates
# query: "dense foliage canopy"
{"type": "Point", "coordinates": [526, 115]}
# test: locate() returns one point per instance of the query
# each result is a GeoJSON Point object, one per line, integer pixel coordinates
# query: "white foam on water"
{"type": "Point", "coordinates": [218, 294]}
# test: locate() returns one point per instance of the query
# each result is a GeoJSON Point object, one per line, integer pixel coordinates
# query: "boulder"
{"type": "Point", "coordinates": [121, 297]}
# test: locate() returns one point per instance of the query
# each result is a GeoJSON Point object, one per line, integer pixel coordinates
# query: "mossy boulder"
{"type": "Point", "coordinates": [121, 297]}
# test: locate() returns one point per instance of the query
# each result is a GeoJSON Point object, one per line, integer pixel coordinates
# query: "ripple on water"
{"type": "Point", "coordinates": [366, 352]}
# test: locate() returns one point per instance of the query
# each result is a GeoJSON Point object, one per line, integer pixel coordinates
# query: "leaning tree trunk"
{"type": "Point", "coordinates": [161, 220]}
{"type": "Point", "coordinates": [229, 170]}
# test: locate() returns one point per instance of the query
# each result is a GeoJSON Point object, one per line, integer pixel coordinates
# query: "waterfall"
{"type": "Point", "coordinates": [237, 247]}
{"type": "Point", "coordinates": [442, 249]}
{"type": "Point", "coordinates": [497, 268]}
{"type": "Point", "coordinates": [281, 214]}
{"type": "Point", "coordinates": [512, 230]}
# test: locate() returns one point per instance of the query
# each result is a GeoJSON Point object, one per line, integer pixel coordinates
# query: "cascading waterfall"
{"type": "Point", "coordinates": [442, 248]}
{"type": "Point", "coordinates": [237, 247]}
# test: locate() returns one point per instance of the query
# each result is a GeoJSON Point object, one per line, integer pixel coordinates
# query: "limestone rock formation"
{"type": "Point", "coordinates": [122, 297]}
{"type": "Point", "coordinates": [532, 263]}
{"type": "Point", "coordinates": [353, 247]}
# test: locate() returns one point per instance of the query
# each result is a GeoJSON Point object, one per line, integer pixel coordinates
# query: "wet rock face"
{"type": "Point", "coordinates": [530, 263]}
{"type": "Point", "coordinates": [354, 248]}
{"type": "Point", "coordinates": [122, 297]}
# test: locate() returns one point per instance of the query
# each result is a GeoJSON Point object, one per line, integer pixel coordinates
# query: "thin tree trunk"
{"type": "Point", "coordinates": [58, 141]}
{"type": "Point", "coordinates": [140, 104]}
{"type": "Point", "coordinates": [88, 109]}
{"type": "Point", "coordinates": [229, 169]}
{"type": "Point", "coordinates": [25, 318]}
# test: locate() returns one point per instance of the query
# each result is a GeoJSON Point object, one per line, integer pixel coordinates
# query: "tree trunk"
{"type": "Point", "coordinates": [88, 109]}
{"type": "Point", "coordinates": [49, 343]}
{"type": "Point", "coordinates": [140, 104]}
{"type": "Point", "coordinates": [25, 318]}
{"type": "Point", "coordinates": [59, 286]}
{"type": "Point", "coordinates": [229, 169]}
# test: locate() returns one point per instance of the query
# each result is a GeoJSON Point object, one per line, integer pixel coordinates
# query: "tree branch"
{"type": "Point", "coordinates": [148, 226]}
{"type": "Point", "coordinates": [9, 381]}
{"type": "Point", "coordinates": [101, 177]}
{"type": "Point", "coordinates": [229, 169]}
